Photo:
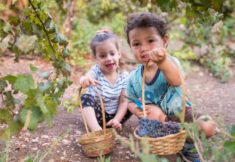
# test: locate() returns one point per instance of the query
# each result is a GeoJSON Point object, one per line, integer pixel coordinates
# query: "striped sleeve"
{"type": "Point", "coordinates": [125, 78]}
{"type": "Point", "coordinates": [94, 72]}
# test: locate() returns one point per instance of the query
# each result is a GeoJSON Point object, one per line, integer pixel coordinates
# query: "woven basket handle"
{"type": "Point", "coordinates": [183, 93]}
{"type": "Point", "coordinates": [102, 108]}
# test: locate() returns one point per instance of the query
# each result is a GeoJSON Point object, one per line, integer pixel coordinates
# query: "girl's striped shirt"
{"type": "Point", "coordinates": [110, 92]}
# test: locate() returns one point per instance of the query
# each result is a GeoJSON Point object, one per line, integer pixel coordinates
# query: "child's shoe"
{"type": "Point", "coordinates": [190, 153]}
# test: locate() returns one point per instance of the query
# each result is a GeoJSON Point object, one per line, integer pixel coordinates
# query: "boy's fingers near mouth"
{"type": "Point", "coordinates": [158, 51]}
{"type": "Point", "coordinates": [162, 52]}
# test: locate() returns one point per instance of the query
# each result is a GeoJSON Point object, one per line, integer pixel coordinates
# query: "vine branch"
{"type": "Point", "coordinates": [44, 29]}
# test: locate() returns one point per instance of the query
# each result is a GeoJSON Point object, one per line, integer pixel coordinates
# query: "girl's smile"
{"type": "Point", "coordinates": [107, 56]}
{"type": "Point", "coordinates": [111, 66]}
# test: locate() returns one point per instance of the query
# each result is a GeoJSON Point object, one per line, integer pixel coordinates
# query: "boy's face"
{"type": "Point", "coordinates": [107, 56]}
{"type": "Point", "coordinates": [143, 40]}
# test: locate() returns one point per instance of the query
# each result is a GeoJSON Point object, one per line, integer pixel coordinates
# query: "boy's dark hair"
{"type": "Point", "coordinates": [101, 36]}
{"type": "Point", "coordinates": [145, 19]}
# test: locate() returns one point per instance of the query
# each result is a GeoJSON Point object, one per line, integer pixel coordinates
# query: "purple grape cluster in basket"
{"type": "Point", "coordinates": [155, 128]}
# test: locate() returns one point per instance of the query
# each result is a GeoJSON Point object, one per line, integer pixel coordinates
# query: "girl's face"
{"type": "Point", "coordinates": [107, 56]}
{"type": "Point", "coordinates": [145, 39]}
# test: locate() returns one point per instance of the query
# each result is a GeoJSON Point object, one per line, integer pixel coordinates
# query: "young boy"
{"type": "Point", "coordinates": [147, 36]}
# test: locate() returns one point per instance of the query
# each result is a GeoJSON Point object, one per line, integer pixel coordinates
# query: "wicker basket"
{"type": "Point", "coordinates": [96, 143]}
{"type": "Point", "coordinates": [170, 144]}
{"type": "Point", "coordinates": [167, 145]}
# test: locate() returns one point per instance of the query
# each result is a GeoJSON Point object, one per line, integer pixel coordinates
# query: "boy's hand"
{"type": "Point", "coordinates": [114, 123]}
{"type": "Point", "coordinates": [155, 113]}
{"type": "Point", "coordinates": [158, 55]}
{"type": "Point", "coordinates": [86, 81]}
{"type": "Point", "coordinates": [139, 113]}
{"type": "Point", "coordinates": [136, 111]}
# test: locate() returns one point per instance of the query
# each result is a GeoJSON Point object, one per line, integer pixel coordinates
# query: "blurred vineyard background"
{"type": "Point", "coordinates": [200, 31]}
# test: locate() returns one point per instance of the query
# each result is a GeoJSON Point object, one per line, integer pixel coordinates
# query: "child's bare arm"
{"type": "Point", "coordinates": [168, 67]}
{"type": "Point", "coordinates": [87, 80]}
{"type": "Point", "coordinates": [121, 111]}
{"type": "Point", "coordinates": [135, 110]}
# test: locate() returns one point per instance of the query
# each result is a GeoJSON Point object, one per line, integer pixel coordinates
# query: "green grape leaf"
{"type": "Point", "coordinates": [65, 52]}
{"type": "Point", "coordinates": [10, 78]}
{"type": "Point", "coordinates": [2, 22]}
{"type": "Point", "coordinates": [7, 28]}
{"type": "Point", "coordinates": [37, 30]}
{"type": "Point", "coordinates": [36, 3]}
{"type": "Point", "coordinates": [42, 15]}
{"type": "Point", "coordinates": [13, 127]}
{"type": "Point", "coordinates": [190, 13]}
{"type": "Point", "coordinates": [60, 83]}
{"type": "Point", "coordinates": [41, 104]}
{"type": "Point", "coordinates": [26, 43]}
{"type": "Point", "coordinates": [33, 68]}
{"type": "Point", "coordinates": [29, 159]}
{"type": "Point", "coordinates": [45, 74]}
{"type": "Point", "coordinates": [17, 101]}
{"type": "Point", "coordinates": [167, 6]}
{"type": "Point", "coordinates": [44, 86]}
{"type": "Point", "coordinates": [3, 84]}
{"type": "Point", "coordinates": [5, 116]}
{"type": "Point", "coordinates": [66, 69]}
{"type": "Point", "coordinates": [50, 26]}
{"type": "Point", "coordinates": [36, 116]}
{"type": "Point", "coordinates": [61, 39]}
{"type": "Point", "coordinates": [52, 104]}
{"type": "Point", "coordinates": [10, 103]}
{"type": "Point", "coordinates": [232, 130]}
{"type": "Point", "coordinates": [24, 82]}
{"type": "Point", "coordinates": [230, 146]}
{"type": "Point", "coordinates": [2, 32]}
{"type": "Point", "coordinates": [14, 20]}
{"type": "Point", "coordinates": [27, 26]}
{"type": "Point", "coordinates": [31, 99]}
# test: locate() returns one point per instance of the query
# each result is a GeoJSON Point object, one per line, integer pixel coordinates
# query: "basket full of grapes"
{"type": "Point", "coordinates": [165, 138]}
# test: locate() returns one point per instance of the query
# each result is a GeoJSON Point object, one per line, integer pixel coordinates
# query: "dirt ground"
{"type": "Point", "coordinates": [59, 142]}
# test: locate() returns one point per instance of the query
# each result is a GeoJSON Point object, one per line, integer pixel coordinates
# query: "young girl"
{"type": "Point", "coordinates": [108, 80]}
{"type": "Point", "coordinates": [146, 35]}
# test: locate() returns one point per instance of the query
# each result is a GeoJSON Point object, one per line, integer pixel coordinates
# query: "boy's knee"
{"type": "Point", "coordinates": [207, 125]}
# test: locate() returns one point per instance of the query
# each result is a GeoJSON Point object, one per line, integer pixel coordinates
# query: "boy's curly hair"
{"type": "Point", "coordinates": [145, 19]}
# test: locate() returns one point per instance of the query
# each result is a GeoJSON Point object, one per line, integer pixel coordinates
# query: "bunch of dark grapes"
{"type": "Point", "coordinates": [155, 128]}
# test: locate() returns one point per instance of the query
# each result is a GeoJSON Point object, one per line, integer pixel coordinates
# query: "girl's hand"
{"type": "Point", "coordinates": [86, 81]}
{"type": "Point", "coordinates": [114, 123]}
{"type": "Point", "coordinates": [155, 113]}
{"type": "Point", "coordinates": [158, 55]}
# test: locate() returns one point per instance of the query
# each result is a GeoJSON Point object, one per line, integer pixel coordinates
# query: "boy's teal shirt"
{"type": "Point", "coordinates": [158, 91]}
